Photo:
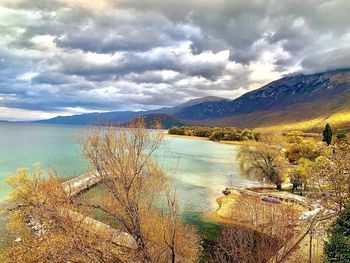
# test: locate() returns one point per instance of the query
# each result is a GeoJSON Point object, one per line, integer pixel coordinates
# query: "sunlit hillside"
{"type": "Point", "coordinates": [340, 121]}
{"type": "Point", "coordinates": [326, 101]}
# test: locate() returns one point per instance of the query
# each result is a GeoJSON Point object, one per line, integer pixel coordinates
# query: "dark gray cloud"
{"type": "Point", "coordinates": [69, 56]}
{"type": "Point", "coordinates": [331, 60]}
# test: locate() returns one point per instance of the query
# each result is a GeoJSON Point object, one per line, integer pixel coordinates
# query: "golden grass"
{"type": "Point", "coordinates": [306, 116]}
{"type": "Point", "coordinates": [339, 120]}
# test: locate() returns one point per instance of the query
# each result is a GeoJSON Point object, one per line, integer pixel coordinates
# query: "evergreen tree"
{"type": "Point", "coordinates": [338, 247]}
{"type": "Point", "coordinates": [327, 134]}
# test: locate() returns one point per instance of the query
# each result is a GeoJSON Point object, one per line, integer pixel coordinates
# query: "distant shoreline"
{"type": "Point", "coordinates": [186, 137]}
{"type": "Point", "coordinates": [240, 143]}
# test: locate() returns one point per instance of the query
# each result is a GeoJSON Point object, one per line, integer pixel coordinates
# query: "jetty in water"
{"type": "Point", "coordinates": [82, 183]}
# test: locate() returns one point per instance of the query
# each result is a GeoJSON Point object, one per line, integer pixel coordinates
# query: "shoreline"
{"type": "Point", "coordinates": [187, 137]}
{"type": "Point", "coordinates": [223, 206]}
{"type": "Point", "coordinates": [222, 214]}
{"type": "Point", "coordinates": [239, 143]}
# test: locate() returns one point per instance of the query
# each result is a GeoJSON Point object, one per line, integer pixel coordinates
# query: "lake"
{"type": "Point", "coordinates": [200, 169]}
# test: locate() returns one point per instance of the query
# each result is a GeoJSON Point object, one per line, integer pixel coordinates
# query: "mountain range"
{"type": "Point", "coordinates": [292, 99]}
{"type": "Point", "coordinates": [121, 117]}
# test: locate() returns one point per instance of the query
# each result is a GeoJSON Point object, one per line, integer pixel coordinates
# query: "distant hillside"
{"type": "Point", "coordinates": [166, 121]}
{"type": "Point", "coordinates": [119, 117]}
{"type": "Point", "coordinates": [94, 118]}
{"type": "Point", "coordinates": [197, 101]}
{"type": "Point", "coordinates": [287, 100]}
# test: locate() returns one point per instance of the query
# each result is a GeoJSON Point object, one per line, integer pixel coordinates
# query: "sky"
{"type": "Point", "coordinates": [64, 57]}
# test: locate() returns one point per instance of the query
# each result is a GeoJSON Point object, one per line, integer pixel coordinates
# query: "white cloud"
{"type": "Point", "coordinates": [16, 114]}
{"type": "Point", "coordinates": [27, 76]}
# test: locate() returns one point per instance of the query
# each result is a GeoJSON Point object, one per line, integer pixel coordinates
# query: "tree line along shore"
{"type": "Point", "coordinates": [216, 134]}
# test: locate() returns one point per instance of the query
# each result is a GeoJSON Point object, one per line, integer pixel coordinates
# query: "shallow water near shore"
{"type": "Point", "coordinates": [199, 169]}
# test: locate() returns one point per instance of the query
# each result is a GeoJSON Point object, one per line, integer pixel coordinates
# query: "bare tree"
{"type": "Point", "coordinates": [239, 244]}
{"type": "Point", "coordinates": [260, 230]}
{"type": "Point", "coordinates": [264, 162]}
{"type": "Point", "coordinates": [135, 185]}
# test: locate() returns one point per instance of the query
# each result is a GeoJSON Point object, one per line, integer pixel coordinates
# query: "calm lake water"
{"type": "Point", "coordinates": [200, 169]}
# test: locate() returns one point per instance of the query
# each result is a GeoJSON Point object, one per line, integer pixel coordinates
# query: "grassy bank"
{"type": "Point", "coordinates": [339, 121]}
{"type": "Point", "coordinates": [252, 143]}
{"type": "Point", "coordinates": [216, 133]}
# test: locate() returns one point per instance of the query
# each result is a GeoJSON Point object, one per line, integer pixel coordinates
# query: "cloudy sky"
{"type": "Point", "coordinates": [63, 57]}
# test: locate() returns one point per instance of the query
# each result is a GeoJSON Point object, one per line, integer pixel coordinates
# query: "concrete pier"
{"type": "Point", "coordinates": [81, 183]}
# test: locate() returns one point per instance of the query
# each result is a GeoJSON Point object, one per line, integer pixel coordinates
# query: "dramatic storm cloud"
{"type": "Point", "coordinates": [74, 56]}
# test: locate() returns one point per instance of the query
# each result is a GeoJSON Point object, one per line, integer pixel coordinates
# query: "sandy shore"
{"type": "Point", "coordinates": [187, 137]}
{"type": "Point", "coordinates": [222, 213]}
{"type": "Point", "coordinates": [227, 204]}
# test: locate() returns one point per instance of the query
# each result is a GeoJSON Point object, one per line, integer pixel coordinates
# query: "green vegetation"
{"type": "Point", "coordinates": [341, 136]}
{"type": "Point", "coordinates": [302, 149]}
{"type": "Point", "coordinates": [338, 247]}
{"type": "Point", "coordinates": [299, 175]}
{"type": "Point", "coordinates": [327, 134]}
{"type": "Point", "coordinates": [216, 134]}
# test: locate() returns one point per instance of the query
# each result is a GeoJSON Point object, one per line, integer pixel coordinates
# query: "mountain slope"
{"type": "Point", "coordinates": [197, 101]}
{"type": "Point", "coordinates": [93, 118]}
{"type": "Point", "coordinates": [288, 99]}
{"type": "Point", "coordinates": [118, 117]}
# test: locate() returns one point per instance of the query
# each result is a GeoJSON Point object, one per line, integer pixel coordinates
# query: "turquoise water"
{"type": "Point", "coordinates": [200, 169]}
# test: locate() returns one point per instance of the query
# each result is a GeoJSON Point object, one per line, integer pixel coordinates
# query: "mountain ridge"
{"type": "Point", "coordinates": [291, 99]}
{"type": "Point", "coordinates": [121, 117]}
{"type": "Point", "coordinates": [275, 95]}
